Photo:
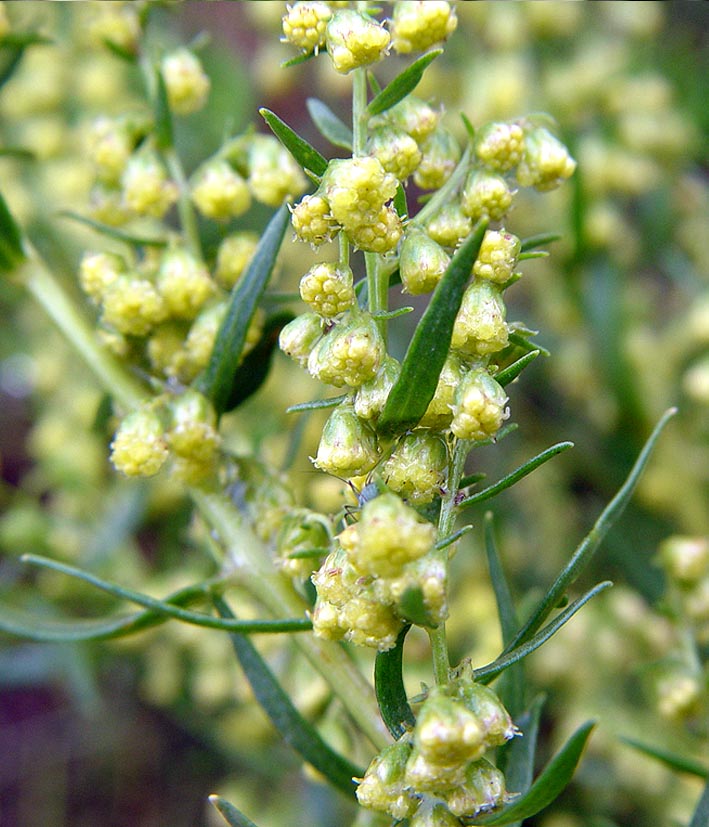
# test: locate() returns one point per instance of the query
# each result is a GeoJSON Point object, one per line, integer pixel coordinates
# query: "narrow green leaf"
{"type": "Point", "coordinates": [549, 785]}
{"type": "Point", "coordinates": [297, 60]}
{"type": "Point", "coordinates": [678, 763]}
{"type": "Point", "coordinates": [113, 232]}
{"type": "Point", "coordinates": [390, 691]}
{"type": "Point", "coordinates": [24, 39]}
{"type": "Point", "coordinates": [540, 240]}
{"type": "Point", "coordinates": [402, 84]}
{"type": "Point", "coordinates": [17, 152]}
{"type": "Point", "coordinates": [587, 548]}
{"type": "Point", "coordinates": [486, 673]}
{"type": "Point", "coordinates": [516, 475]}
{"type": "Point", "coordinates": [300, 734]}
{"type": "Point", "coordinates": [533, 254]}
{"type": "Point", "coordinates": [523, 342]}
{"type": "Point", "coordinates": [452, 538]}
{"type": "Point", "coordinates": [317, 404]}
{"type": "Point", "coordinates": [11, 252]}
{"type": "Point", "coordinates": [402, 210]}
{"type": "Point", "coordinates": [414, 389]}
{"type": "Point", "coordinates": [328, 124]}
{"type": "Point", "coordinates": [161, 607]}
{"type": "Point", "coordinates": [232, 816]}
{"type": "Point", "coordinates": [217, 381]}
{"type": "Point", "coordinates": [164, 130]}
{"type": "Point", "coordinates": [56, 629]}
{"type": "Point", "coordinates": [511, 372]}
{"type": "Point", "coordinates": [700, 818]}
{"type": "Point", "coordinates": [472, 479]}
{"type": "Point", "coordinates": [469, 128]}
{"type": "Point", "coordinates": [392, 314]}
{"type": "Point", "coordinates": [305, 154]}
{"type": "Point", "coordinates": [516, 757]}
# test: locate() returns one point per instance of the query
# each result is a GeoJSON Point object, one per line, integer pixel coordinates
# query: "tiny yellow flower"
{"type": "Point", "coordinates": [354, 40]}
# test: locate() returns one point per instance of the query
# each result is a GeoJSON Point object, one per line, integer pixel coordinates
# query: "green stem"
{"type": "Point", "coordinates": [248, 562]}
{"type": "Point", "coordinates": [437, 636]}
{"type": "Point", "coordinates": [359, 111]}
{"type": "Point", "coordinates": [188, 217]}
{"type": "Point", "coordinates": [45, 288]}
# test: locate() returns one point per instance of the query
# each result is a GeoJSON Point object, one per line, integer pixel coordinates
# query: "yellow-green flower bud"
{"type": "Point", "coordinates": [395, 150]}
{"type": "Point", "coordinates": [417, 468]}
{"type": "Point", "coordinates": [431, 814]}
{"type": "Point", "coordinates": [328, 289]}
{"type": "Point", "coordinates": [354, 40]}
{"type": "Point", "coordinates": [139, 448]}
{"type": "Point", "coordinates": [447, 733]}
{"type": "Point", "coordinates": [380, 235]}
{"type": "Point", "coordinates": [383, 788]}
{"type": "Point", "coordinates": [498, 256]}
{"type": "Point", "coordinates": [348, 447]}
{"type": "Point", "coordinates": [234, 256]}
{"type": "Point", "coordinates": [426, 776]}
{"type": "Point", "coordinates": [422, 262]}
{"type": "Point", "coordinates": [482, 791]}
{"type": "Point", "coordinates": [485, 195]}
{"type": "Point", "coordinates": [219, 192]}
{"type": "Point", "coordinates": [356, 189]}
{"type": "Point", "coordinates": [390, 534]}
{"type": "Point", "coordinates": [489, 710]}
{"type": "Point", "coordinates": [337, 581]}
{"type": "Point", "coordinates": [348, 354]}
{"type": "Point", "coordinates": [298, 338]}
{"type": "Point", "coordinates": [439, 413]}
{"type": "Point", "coordinates": [302, 530]}
{"type": "Point", "coordinates": [98, 271]}
{"type": "Point", "coordinates": [440, 154]}
{"type": "Point", "coordinates": [312, 220]}
{"type": "Point", "coordinates": [184, 283]}
{"type": "Point", "coordinates": [372, 395]}
{"type": "Point", "coordinates": [193, 432]}
{"type": "Point", "coordinates": [186, 83]}
{"type": "Point", "coordinates": [500, 145]}
{"type": "Point", "coordinates": [480, 327]}
{"type": "Point", "coordinates": [546, 162]}
{"type": "Point", "coordinates": [449, 225]}
{"type": "Point", "coordinates": [479, 408]}
{"type": "Point", "coordinates": [146, 187]}
{"type": "Point", "coordinates": [426, 575]}
{"type": "Point", "coordinates": [370, 623]}
{"type": "Point", "coordinates": [417, 25]}
{"type": "Point", "coordinates": [305, 23]}
{"type": "Point", "coordinates": [413, 115]}
{"type": "Point", "coordinates": [193, 357]}
{"type": "Point", "coordinates": [133, 306]}
{"type": "Point", "coordinates": [274, 176]}
{"type": "Point", "coordinates": [685, 559]}
{"type": "Point", "coordinates": [109, 145]}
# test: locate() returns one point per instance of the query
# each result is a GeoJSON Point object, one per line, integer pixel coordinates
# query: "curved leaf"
{"type": "Point", "coordinates": [390, 691]}
{"type": "Point", "coordinates": [402, 84]}
{"type": "Point", "coordinates": [516, 475]}
{"type": "Point", "coordinates": [516, 757]}
{"type": "Point", "coordinates": [328, 124]}
{"type": "Point", "coordinates": [317, 404]}
{"type": "Point", "coordinates": [217, 381]}
{"type": "Point", "coordinates": [305, 154]}
{"type": "Point", "coordinates": [300, 734]}
{"type": "Point", "coordinates": [541, 240]}
{"type": "Point", "coordinates": [550, 783]}
{"type": "Point", "coordinates": [416, 385]}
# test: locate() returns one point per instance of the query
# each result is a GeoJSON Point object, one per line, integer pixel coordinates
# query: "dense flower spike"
{"type": "Point", "coordinates": [312, 220]}
{"type": "Point", "coordinates": [328, 289]}
{"type": "Point", "coordinates": [139, 448]}
{"type": "Point", "coordinates": [354, 40]}
{"type": "Point", "coordinates": [349, 354]}
{"type": "Point", "coordinates": [497, 257]}
{"type": "Point", "coordinates": [485, 195]}
{"type": "Point", "coordinates": [348, 447]}
{"type": "Point", "coordinates": [480, 327]}
{"type": "Point", "coordinates": [304, 25]}
{"type": "Point", "coordinates": [480, 407]}
{"type": "Point", "coordinates": [546, 162]}
{"type": "Point", "coordinates": [417, 25]}
{"type": "Point", "coordinates": [500, 146]}
{"type": "Point", "coordinates": [417, 468]}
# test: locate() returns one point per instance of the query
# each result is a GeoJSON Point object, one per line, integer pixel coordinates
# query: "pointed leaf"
{"type": "Point", "coordinates": [161, 607]}
{"type": "Point", "coordinates": [164, 130]}
{"type": "Point", "coordinates": [390, 691]}
{"type": "Point", "coordinates": [113, 232]}
{"type": "Point", "coordinates": [549, 785]}
{"type": "Point", "coordinates": [416, 385]}
{"type": "Point", "coordinates": [587, 548]}
{"type": "Point", "coordinates": [510, 373]}
{"type": "Point", "coordinates": [486, 673]}
{"type": "Point", "coordinates": [535, 241]}
{"type": "Point", "coordinates": [523, 342]}
{"type": "Point", "coordinates": [701, 814]}
{"type": "Point", "coordinates": [217, 381]}
{"type": "Point", "coordinates": [317, 404]}
{"type": "Point", "coordinates": [232, 816]}
{"type": "Point", "coordinates": [300, 734]}
{"type": "Point", "coordinates": [678, 763]}
{"type": "Point", "coordinates": [402, 84]}
{"type": "Point", "coordinates": [518, 474]}
{"type": "Point", "coordinates": [11, 252]}
{"type": "Point", "coordinates": [328, 124]}
{"type": "Point", "coordinates": [305, 154]}
{"type": "Point", "coordinates": [516, 757]}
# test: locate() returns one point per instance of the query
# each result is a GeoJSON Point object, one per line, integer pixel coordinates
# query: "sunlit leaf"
{"type": "Point", "coordinates": [305, 154]}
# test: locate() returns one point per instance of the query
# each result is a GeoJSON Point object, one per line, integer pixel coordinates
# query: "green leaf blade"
{"type": "Point", "coordinates": [217, 381]}
{"type": "Point", "coordinates": [299, 733]}
{"type": "Point", "coordinates": [427, 352]}
{"type": "Point", "coordinates": [11, 250]}
{"type": "Point", "coordinates": [389, 688]}
{"type": "Point", "coordinates": [305, 154]}
{"type": "Point", "coordinates": [549, 785]}
{"type": "Point", "coordinates": [328, 124]}
{"type": "Point", "coordinates": [230, 814]}
{"type": "Point", "coordinates": [164, 128]}
{"type": "Point", "coordinates": [510, 373]}
{"type": "Point", "coordinates": [402, 84]}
